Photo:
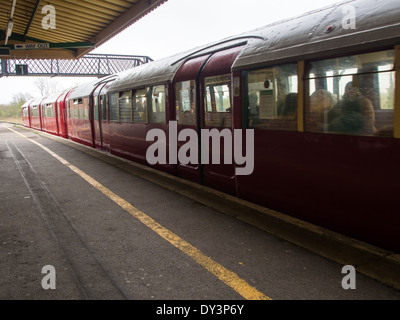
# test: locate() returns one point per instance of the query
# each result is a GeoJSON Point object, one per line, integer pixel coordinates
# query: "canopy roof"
{"type": "Point", "coordinates": [80, 25]}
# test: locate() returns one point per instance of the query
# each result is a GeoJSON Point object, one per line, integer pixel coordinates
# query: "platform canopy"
{"type": "Point", "coordinates": [64, 29]}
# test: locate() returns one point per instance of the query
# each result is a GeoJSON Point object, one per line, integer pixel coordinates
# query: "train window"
{"type": "Point", "coordinates": [125, 106]}
{"type": "Point", "coordinates": [35, 111]}
{"type": "Point", "coordinates": [96, 107]}
{"type": "Point", "coordinates": [218, 110]}
{"type": "Point", "coordinates": [103, 105]}
{"type": "Point", "coordinates": [140, 106]}
{"type": "Point", "coordinates": [157, 101]}
{"type": "Point", "coordinates": [113, 105]}
{"type": "Point", "coordinates": [185, 93]}
{"type": "Point", "coordinates": [351, 95]}
{"type": "Point", "coordinates": [85, 109]}
{"type": "Point", "coordinates": [272, 98]}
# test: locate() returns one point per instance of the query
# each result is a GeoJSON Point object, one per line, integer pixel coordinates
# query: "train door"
{"type": "Point", "coordinates": [61, 115]}
{"type": "Point", "coordinates": [103, 116]}
{"type": "Point", "coordinates": [217, 135]}
{"type": "Point", "coordinates": [97, 104]}
{"type": "Point", "coordinates": [204, 84]}
{"type": "Point", "coordinates": [187, 102]}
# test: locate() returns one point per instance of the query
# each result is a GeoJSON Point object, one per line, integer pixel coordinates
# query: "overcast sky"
{"type": "Point", "coordinates": [176, 26]}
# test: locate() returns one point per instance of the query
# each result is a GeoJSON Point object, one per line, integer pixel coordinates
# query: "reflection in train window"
{"type": "Point", "coordinates": [140, 106]}
{"type": "Point", "coordinates": [125, 106]}
{"type": "Point", "coordinates": [218, 110]}
{"type": "Point", "coordinates": [272, 98]}
{"type": "Point", "coordinates": [103, 106]}
{"type": "Point", "coordinates": [185, 93]}
{"type": "Point", "coordinates": [157, 101]}
{"type": "Point", "coordinates": [351, 95]}
{"type": "Point", "coordinates": [113, 106]}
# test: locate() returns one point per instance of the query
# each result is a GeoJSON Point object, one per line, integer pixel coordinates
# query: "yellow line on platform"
{"type": "Point", "coordinates": [228, 277]}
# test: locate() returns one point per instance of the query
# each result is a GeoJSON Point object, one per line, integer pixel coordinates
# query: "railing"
{"type": "Point", "coordinates": [89, 65]}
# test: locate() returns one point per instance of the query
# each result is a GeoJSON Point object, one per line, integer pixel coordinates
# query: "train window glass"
{"type": "Point", "coordinates": [157, 101]}
{"type": "Point", "coordinates": [85, 109]}
{"type": "Point", "coordinates": [35, 111]}
{"type": "Point", "coordinates": [185, 93]}
{"type": "Point", "coordinates": [140, 106]}
{"type": "Point", "coordinates": [272, 98]}
{"type": "Point", "coordinates": [96, 107]}
{"type": "Point", "coordinates": [125, 106]}
{"type": "Point", "coordinates": [351, 95]}
{"type": "Point", "coordinates": [218, 111]}
{"type": "Point", "coordinates": [103, 104]}
{"type": "Point", "coordinates": [47, 110]}
{"type": "Point", "coordinates": [113, 105]}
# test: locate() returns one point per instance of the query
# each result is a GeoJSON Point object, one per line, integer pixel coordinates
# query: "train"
{"type": "Point", "coordinates": [319, 93]}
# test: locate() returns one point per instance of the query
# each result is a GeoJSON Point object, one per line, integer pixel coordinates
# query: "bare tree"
{"type": "Point", "coordinates": [47, 86]}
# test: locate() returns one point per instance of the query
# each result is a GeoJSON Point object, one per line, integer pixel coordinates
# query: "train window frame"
{"type": "Point", "coordinates": [124, 107]}
{"type": "Point", "coordinates": [113, 107]}
{"type": "Point", "coordinates": [217, 113]}
{"type": "Point", "coordinates": [103, 100]}
{"type": "Point", "coordinates": [156, 105]}
{"type": "Point", "coordinates": [346, 96]}
{"type": "Point", "coordinates": [96, 116]}
{"type": "Point", "coordinates": [271, 95]}
{"type": "Point", "coordinates": [139, 110]}
{"type": "Point", "coordinates": [185, 102]}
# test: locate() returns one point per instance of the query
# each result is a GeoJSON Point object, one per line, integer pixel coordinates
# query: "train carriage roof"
{"type": "Point", "coordinates": [36, 101]}
{"type": "Point", "coordinates": [164, 70]}
{"type": "Point", "coordinates": [83, 90]}
{"type": "Point", "coordinates": [155, 72]}
{"type": "Point", "coordinates": [321, 33]}
{"type": "Point", "coordinates": [313, 35]}
{"type": "Point", "coordinates": [52, 98]}
{"type": "Point", "coordinates": [27, 103]}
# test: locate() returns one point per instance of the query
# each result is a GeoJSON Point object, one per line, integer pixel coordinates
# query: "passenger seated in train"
{"type": "Point", "coordinates": [253, 105]}
{"type": "Point", "coordinates": [289, 108]}
{"type": "Point", "coordinates": [321, 104]}
{"type": "Point", "coordinates": [354, 114]}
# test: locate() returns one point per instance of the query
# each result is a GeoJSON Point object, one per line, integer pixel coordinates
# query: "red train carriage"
{"type": "Point", "coordinates": [322, 100]}
{"type": "Point", "coordinates": [61, 110]}
{"type": "Point", "coordinates": [79, 121]}
{"type": "Point", "coordinates": [50, 114]}
{"type": "Point", "coordinates": [26, 119]}
{"type": "Point", "coordinates": [320, 97]}
{"type": "Point", "coordinates": [35, 112]}
{"type": "Point", "coordinates": [99, 114]}
{"type": "Point", "coordinates": [139, 101]}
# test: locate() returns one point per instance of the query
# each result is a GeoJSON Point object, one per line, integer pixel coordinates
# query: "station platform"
{"type": "Point", "coordinates": [113, 229]}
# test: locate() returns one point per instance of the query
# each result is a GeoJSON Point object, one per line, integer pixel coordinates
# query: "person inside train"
{"type": "Point", "coordinates": [289, 108]}
{"type": "Point", "coordinates": [354, 114]}
{"type": "Point", "coordinates": [320, 105]}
